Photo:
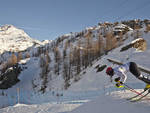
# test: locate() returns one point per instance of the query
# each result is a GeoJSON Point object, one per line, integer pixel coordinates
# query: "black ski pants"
{"type": "Point", "coordinates": [136, 72]}
{"type": "Point", "coordinates": [134, 69]}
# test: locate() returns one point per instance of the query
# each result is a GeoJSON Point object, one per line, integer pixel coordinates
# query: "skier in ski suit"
{"type": "Point", "coordinates": [121, 71]}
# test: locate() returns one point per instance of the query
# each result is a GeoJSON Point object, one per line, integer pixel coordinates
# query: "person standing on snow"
{"type": "Point", "coordinates": [121, 71]}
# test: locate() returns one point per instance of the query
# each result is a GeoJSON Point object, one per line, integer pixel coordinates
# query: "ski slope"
{"type": "Point", "coordinates": [94, 93]}
{"type": "Point", "coordinates": [39, 108]}
{"type": "Point", "coordinates": [114, 102]}
{"type": "Point", "coordinates": [107, 104]}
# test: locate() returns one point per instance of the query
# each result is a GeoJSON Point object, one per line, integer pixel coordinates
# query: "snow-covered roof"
{"type": "Point", "coordinates": [121, 27]}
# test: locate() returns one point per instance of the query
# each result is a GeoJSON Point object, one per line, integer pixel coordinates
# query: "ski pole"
{"type": "Point", "coordinates": [131, 89]}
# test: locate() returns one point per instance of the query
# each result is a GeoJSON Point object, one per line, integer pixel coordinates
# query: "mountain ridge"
{"type": "Point", "coordinates": [15, 40]}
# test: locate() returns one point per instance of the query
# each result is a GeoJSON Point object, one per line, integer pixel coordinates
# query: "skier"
{"type": "Point", "coordinates": [121, 71]}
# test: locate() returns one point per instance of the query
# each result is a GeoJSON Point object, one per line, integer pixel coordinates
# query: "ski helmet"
{"type": "Point", "coordinates": [109, 71]}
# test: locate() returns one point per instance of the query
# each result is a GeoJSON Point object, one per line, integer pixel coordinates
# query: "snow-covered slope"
{"type": "Point", "coordinates": [40, 108]}
{"type": "Point", "coordinates": [46, 42]}
{"type": "Point", "coordinates": [14, 39]}
{"type": "Point", "coordinates": [115, 102]}
{"type": "Point", "coordinates": [98, 81]}
{"type": "Point", "coordinates": [92, 85]}
{"type": "Point", "coordinates": [111, 104]}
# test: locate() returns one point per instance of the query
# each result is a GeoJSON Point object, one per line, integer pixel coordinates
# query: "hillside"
{"type": "Point", "coordinates": [112, 104]}
{"type": "Point", "coordinates": [65, 71]}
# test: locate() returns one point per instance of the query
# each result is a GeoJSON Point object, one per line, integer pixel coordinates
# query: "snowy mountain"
{"type": "Point", "coordinates": [14, 39]}
{"type": "Point", "coordinates": [46, 41]}
{"type": "Point", "coordinates": [54, 81]}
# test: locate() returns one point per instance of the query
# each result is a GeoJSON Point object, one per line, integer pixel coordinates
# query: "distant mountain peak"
{"type": "Point", "coordinates": [14, 39]}
{"type": "Point", "coordinates": [6, 27]}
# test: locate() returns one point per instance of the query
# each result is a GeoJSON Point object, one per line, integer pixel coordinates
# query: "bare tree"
{"type": "Point", "coordinates": [109, 37]}
{"type": "Point", "coordinates": [48, 58]}
{"type": "Point", "coordinates": [111, 41]}
{"type": "Point", "coordinates": [27, 55]}
{"type": "Point", "coordinates": [19, 56]}
{"type": "Point", "coordinates": [44, 64]}
{"type": "Point", "coordinates": [57, 56]}
{"type": "Point", "coordinates": [147, 28]}
{"type": "Point", "coordinates": [66, 75]}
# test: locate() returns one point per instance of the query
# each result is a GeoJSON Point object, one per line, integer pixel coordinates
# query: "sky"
{"type": "Point", "coordinates": [48, 19]}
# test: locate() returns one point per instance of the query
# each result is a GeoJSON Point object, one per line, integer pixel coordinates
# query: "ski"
{"type": "Point", "coordinates": [138, 99]}
{"type": "Point", "coordinates": [140, 94]}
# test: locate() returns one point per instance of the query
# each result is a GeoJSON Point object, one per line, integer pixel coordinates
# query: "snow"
{"type": "Point", "coordinates": [136, 40]}
{"type": "Point", "coordinates": [121, 27]}
{"type": "Point", "coordinates": [14, 39]}
{"type": "Point", "coordinates": [92, 94]}
{"type": "Point", "coordinates": [24, 61]}
{"type": "Point", "coordinates": [113, 102]}
{"type": "Point", "coordinates": [19, 105]}
{"type": "Point", "coordinates": [46, 42]}
{"type": "Point", "coordinates": [107, 104]}
{"type": "Point", "coordinates": [39, 108]}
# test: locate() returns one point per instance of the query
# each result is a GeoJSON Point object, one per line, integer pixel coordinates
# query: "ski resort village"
{"type": "Point", "coordinates": [71, 74]}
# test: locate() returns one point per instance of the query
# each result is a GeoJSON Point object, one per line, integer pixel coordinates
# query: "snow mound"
{"type": "Point", "coordinates": [18, 105]}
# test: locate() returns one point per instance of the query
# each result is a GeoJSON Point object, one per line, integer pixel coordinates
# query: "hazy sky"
{"type": "Point", "coordinates": [48, 19]}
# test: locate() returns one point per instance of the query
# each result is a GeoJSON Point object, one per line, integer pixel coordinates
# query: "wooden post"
{"type": "Point", "coordinates": [18, 94]}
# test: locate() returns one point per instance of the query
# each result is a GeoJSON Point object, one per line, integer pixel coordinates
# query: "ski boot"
{"type": "Point", "coordinates": [147, 87]}
{"type": "Point", "coordinates": [118, 85]}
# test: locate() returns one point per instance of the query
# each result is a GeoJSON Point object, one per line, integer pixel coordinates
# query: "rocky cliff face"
{"type": "Point", "coordinates": [10, 77]}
